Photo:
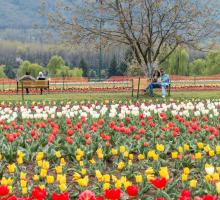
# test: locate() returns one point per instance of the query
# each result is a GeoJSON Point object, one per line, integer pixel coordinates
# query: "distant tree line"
{"type": "Point", "coordinates": [16, 56]}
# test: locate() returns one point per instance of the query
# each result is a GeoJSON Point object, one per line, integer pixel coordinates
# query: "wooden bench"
{"type": "Point", "coordinates": [29, 84]}
{"type": "Point", "coordinates": [144, 82]}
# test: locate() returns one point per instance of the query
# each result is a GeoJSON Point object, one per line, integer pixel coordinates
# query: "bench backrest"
{"type": "Point", "coordinates": [33, 84]}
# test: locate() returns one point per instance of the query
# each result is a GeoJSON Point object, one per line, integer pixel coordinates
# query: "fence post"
{"type": "Point", "coordinates": [22, 91]}
{"type": "Point", "coordinates": [63, 83]}
{"type": "Point", "coordinates": [138, 91]}
{"type": "Point", "coordinates": [132, 87]}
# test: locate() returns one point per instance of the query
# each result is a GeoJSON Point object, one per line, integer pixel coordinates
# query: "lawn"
{"type": "Point", "coordinates": [111, 96]}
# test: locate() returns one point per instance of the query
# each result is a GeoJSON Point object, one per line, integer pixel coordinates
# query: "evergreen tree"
{"type": "Point", "coordinates": [112, 71]}
{"type": "Point", "coordinates": [84, 66]}
{"type": "Point", "coordinates": [9, 72]}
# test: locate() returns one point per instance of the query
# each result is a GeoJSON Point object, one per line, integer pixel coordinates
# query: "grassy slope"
{"type": "Point", "coordinates": [110, 96]}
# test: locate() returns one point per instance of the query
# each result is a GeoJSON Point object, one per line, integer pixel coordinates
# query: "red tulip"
{"type": "Point", "coordinates": [87, 195]}
{"type": "Point", "coordinates": [10, 137]}
{"type": "Point", "coordinates": [39, 194]}
{"type": "Point", "coordinates": [70, 132]}
{"type": "Point", "coordinates": [113, 194]}
{"type": "Point", "coordinates": [100, 198]}
{"type": "Point", "coordinates": [209, 197]}
{"type": "Point", "coordinates": [3, 190]}
{"type": "Point", "coordinates": [69, 140]}
{"type": "Point", "coordinates": [63, 196]}
{"type": "Point", "coordinates": [132, 191]}
{"type": "Point", "coordinates": [159, 183]}
{"type": "Point", "coordinates": [86, 135]}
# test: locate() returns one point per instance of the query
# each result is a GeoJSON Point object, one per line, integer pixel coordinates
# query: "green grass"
{"type": "Point", "coordinates": [110, 96]}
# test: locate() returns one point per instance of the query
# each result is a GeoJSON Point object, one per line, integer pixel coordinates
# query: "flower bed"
{"type": "Point", "coordinates": [107, 150]}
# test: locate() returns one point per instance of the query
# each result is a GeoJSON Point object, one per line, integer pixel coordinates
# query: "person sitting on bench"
{"type": "Point", "coordinates": [27, 77]}
{"type": "Point", "coordinates": [41, 77]}
{"type": "Point", "coordinates": [154, 82]}
{"type": "Point", "coordinates": [163, 82]}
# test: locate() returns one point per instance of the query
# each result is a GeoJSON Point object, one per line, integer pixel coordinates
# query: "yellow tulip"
{"type": "Point", "coordinates": [211, 153]}
{"type": "Point", "coordinates": [174, 154]}
{"type": "Point", "coordinates": [50, 179]}
{"type": "Point", "coordinates": [114, 152]}
{"type": "Point", "coordinates": [83, 171]}
{"type": "Point", "coordinates": [80, 163]}
{"type": "Point", "coordinates": [45, 165]}
{"type": "Point", "coordinates": [217, 149]}
{"type": "Point", "coordinates": [35, 177]}
{"type": "Point", "coordinates": [118, 184]}
{"type": "Point", "coordinates": [11, 168]}
{"type": "Point", "coordinates": [127, 184]}
{"type": "Point", "coordinates": [200, 145]}
{"type": "Point", "coordinates": [43, 173]}
{"type": "Point", "coordinates": [130, 163]}
{"type": "Point", "coordinates": [180, 149]}
{"type": "Point", "coordinates": [20, 160]}
{"type": "Point", "coordinates": [62, 187]}
{"type": "Point", "coordinates": [160, 147]}
{"type": "Point", "coordinates": [122, 149]}
{"type": "Point", "coordinates": [193, 183]}
{"type": "Point", "coordinates": [149, 170]}
{"type": "Point", "coordinates": [58, 169]}
{"type": "Point", "coordinates": [106, 178]}
{"type": "Point", "coordinates": [155, 157]}
{"type": "Point", "coordinates": [186, 170]}
{"type": "Point", "coordinates": [186, 147]}
{"type": "Point", "coordinates": [24, 190]}
{"type": "Point", "coordinates": [138, 178]}
{"type": "Point", "coordinates": [121, 165]}
{"type": "Point", "coordinates": [217, 186]}
{"type": "Point", "coordinates": [62, 162]}
{"type": "Point", "coordinates": [184, 177]}
{"type": "Point", "coordinates": [131, 156]}
{"type": "Point", "coordinates": [140, 157]}
{"type": "Point", "coordinates": [164, 172]}
{"type": "Point", "coordinates": [76, 176]}
{"type": "Point", "coordinates": [126, 154]}
{"type": "Point", "coordinates": [106, 186]}
{"type": "Point", "coordinates": [215, 176]}
{"type": "Point", "coordinates": [22, 175]}
{"type": "Point", "coordinates": [198, 155]}
{"type": "Point", "coordinates": [58, 154]}
{"type": "Point", "coordinates": [92, 161]}
{"type": "Point", "coordinates": [207, 148]}
{"type": "Point", "coordinates": [39, 156]}
{"type": "Point", "coordinates": [23, 183]}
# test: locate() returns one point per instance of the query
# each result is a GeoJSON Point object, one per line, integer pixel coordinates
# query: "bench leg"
{"type": "Point", "coordinates": [169, 90]}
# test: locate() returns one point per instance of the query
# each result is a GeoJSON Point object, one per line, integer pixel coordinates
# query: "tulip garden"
{"type": "Point", "coordinates": [108, 150]}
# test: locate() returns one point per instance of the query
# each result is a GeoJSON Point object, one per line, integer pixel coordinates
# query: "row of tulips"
{"type": "Point", "coordinates": [111, 194]}
{"type": "Point", "coordinates": [110, 150]}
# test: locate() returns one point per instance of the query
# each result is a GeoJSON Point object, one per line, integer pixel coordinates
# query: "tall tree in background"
{"type": "Point", "coordinates": [178, 62]}
{"type": "Point", "coordinates": [145, 26]}
{"type": "Point", "coordinates": [84, 66]}
{"type": "Point", "coordinates": [55, 63]}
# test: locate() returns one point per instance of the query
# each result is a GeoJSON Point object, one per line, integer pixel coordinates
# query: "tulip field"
{"type": "Point", "coordinates": [110, 150]}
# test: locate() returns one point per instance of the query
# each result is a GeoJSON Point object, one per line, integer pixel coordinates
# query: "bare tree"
{"type": "Point", "coordinates": [145, 26]}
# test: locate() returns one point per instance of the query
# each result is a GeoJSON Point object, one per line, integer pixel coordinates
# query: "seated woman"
{"type": "Point", "coordinates": [162, 82]}
{"type": "Point", "coordinates": [41, 77]}
{"type": "Point", "coordinates": [154, 82]}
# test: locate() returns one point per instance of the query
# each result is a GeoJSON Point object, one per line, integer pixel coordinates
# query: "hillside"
{"type": "Point", "coordinates": [21, 20]}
